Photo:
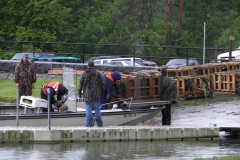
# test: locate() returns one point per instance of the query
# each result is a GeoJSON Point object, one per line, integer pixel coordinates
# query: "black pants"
{"type": "Point", "coordinates": [166, 115]}
{"type": "Point", "coordinates": [43, 96]}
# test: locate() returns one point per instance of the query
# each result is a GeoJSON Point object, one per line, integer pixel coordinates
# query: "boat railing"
{"type": "Point", "coordinates": [124, 101]}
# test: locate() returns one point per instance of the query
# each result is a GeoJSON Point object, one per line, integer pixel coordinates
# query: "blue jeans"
{"type": "Point", "coordinates": [103, 100]}
{"type": "Point", "coordinates": [89, 117]}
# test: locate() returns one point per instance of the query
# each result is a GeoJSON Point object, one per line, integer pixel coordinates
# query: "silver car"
{"type": "Point", "coordinates": [182, 62]}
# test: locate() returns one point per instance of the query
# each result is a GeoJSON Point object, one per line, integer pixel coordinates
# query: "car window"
{"type": "Point", "coordinates": [139, 61]}
{"type": "Point", "coordinates": [118, 63]}
{"type": "Point", "coordinates": [97, 62]}
{"type": "Point", "coordinates": [105, 61]}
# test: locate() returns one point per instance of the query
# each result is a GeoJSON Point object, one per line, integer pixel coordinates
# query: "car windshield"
{"type": "Point", "coordinates": [181, 62]}
{"type": "Point", "coordinates": [19, 56]}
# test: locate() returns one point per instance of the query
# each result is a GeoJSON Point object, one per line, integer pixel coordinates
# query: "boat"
{"type": "Point", "coordinates": [117, 116]}
{"type": "Point", "coordinates": [121, 112]}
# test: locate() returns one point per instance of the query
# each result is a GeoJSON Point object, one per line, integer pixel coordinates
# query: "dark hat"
{"type": "Point", "coordinates": [90, 64]}
{"type": "Point", "coordinates": [116, 75]}
{"type": "Point", "coordinates": [25, 55]}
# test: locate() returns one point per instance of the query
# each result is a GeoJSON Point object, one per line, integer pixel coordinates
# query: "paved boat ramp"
{"type": "Point", "coordinates": [21, 134]}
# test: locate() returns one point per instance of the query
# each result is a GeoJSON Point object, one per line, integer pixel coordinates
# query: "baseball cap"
{"type": "Point", "coordinates": [25, 55]}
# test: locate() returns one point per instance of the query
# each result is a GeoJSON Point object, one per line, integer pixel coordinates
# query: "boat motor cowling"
{"type": "Point", "coordinates": [115, 106]}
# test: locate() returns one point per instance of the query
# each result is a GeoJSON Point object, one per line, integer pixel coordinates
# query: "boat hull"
{"type": "Point", "coordinates": [110, 118]}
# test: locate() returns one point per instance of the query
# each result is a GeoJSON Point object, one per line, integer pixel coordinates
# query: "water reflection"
{"type": "Point", "coordinates": [121, 150]}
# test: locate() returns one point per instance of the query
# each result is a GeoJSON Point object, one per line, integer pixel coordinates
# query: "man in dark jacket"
{"type": "Point", "coordinates": [25, 76]}
{"type": "Point", "coordinates": [109, 80]}
{"type": "Point", "coordinates": [168, 91]}
{"type": "Point", "coordinates": [56, 89]}
{"type": "Point", "coordinates": [91, 83]}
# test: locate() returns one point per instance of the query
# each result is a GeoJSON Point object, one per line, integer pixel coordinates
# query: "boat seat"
{"type": "Point", "coordinates": [32, 102]}
{"type": "Point", "coordinates": [31, 107]}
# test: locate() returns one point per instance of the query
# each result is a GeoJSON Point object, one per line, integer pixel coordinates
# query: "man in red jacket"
{"type": "Point", "coordinates": [109, 80]}
{"type": "Point", "coordinates": [56, 89]}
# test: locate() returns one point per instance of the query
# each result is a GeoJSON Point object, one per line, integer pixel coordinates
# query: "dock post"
{"type": "Point", "coordinates": [17, 108]}
{"type": "Point", "coordinates": [49, 109]}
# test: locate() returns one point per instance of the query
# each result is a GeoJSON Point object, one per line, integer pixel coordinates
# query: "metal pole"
{"type": "Point", "coordinates": [49, 109]}
{"type": "Point", "coordinates": [204, 39]}
{"type": "Point", "coordinates": [230, 47]}
{"type": "Point", "coordinates": [134, 53]}
{"type": "Point", "coordinates": [17, 108]}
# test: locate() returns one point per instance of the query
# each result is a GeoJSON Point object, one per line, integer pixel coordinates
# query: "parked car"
{"type": "Point", "coordinates": [100, 57]}
{"type": "Point", "coordinates": [66, 59]}
{"type": "Point", "coordinates": [182, 62]}
{"type": "Point", "coordinates": [104, 61]}
{"type": "Point", "coordinates": [225, 56]}
{"type": "Point", "coordinates": [101, 61]}
{"type": "Point", "coordinates": [132, 59]}
{"type": "Point", "coordinates": [123, 63]}
{"type": "Point", "coordinates": [149, 63]}
{"type": "Point", "coordinates": [33, 56]}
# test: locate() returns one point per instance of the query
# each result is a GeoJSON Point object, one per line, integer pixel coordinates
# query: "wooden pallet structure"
{"type": "Point", "coordinates": [180, 71]}
{"type": "Point", "coordinates": [205, 69]}
{"type": "Point", "coordinates": [192, 87]}
{"type": "Point", "coordinates": [226, 82]}
{"type": "Point", "coordinates": [142, 89]}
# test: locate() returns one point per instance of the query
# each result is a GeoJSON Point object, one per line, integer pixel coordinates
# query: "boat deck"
{"type": "Point", "coordinates": [26, 134]}
{"type": "Point", "coordinates": [231, 130]}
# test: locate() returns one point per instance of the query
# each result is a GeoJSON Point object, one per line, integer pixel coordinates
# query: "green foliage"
{"type": "Point", "coordinates": [118, 22]}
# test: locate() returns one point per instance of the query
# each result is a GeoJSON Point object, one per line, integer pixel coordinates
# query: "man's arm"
{"type": "Point", "coordinates": [16, 75]}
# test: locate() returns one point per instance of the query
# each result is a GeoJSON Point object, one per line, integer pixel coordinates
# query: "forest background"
{"type": "Point", "coordinates": [159, 28]}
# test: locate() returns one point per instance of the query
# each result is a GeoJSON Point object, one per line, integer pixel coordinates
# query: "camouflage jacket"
{"type": "Point", "coordinates": [91, 83]}
{"type": "Point", "coordinates": [168, 89]}
{"type": "Point", "coordinates": [25, 73]}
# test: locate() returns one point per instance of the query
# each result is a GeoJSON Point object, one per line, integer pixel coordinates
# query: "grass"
{"type": "Point", "coordinates": [217, 98]}
{"type": "Point", "coordinates": [8, 91]}
{"type": "Point", "coordinates": [231, 157]}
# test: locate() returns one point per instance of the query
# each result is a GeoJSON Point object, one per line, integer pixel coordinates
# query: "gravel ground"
{"type": "Point", "coordinates": [226, 114]}
{"type": "Point", "coordinates": [44, 76]}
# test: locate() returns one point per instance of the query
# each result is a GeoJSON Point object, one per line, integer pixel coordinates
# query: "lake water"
{"type": "Point", "coordinates": [147, 150]}
{"type": "Point", "coordinates": [167, 150]}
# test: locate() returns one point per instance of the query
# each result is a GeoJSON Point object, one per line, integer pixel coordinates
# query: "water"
{"type": "Point", "coordinates": [167, 150]}
{"type": "Point", "coordinates": [147, 150]}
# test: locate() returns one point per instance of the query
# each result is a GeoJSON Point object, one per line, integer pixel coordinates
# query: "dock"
{"type": "Point", "coordinates": [62, 134]}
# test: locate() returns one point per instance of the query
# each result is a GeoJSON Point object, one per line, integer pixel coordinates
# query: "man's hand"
{"type": "Point", "coordinates": [80, 94]}
{"type": "Point", "coordinates": [58, 103]}
{"type": "Point", "coordinates": [17, 85]}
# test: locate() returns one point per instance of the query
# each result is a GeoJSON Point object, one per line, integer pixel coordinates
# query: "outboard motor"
{"type": "Point", "coordinates": [115, 106]}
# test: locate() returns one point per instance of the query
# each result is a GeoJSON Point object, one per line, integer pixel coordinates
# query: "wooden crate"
{"type": "Point", "coordinates": [194, 91]}
{"type": "Point", "coordinates": [225, 82]}
{"type": "Point", "coordinates": [183, 71]}
{"type": "Point", "coordinates": [233, 65]}
{"type": "Point", "coordinates": [148, 89]}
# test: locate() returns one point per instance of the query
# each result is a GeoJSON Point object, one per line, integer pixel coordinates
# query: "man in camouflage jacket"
{"type": "Point", "coordinates": [25, 76]}
{"type": "Point", "coordinates": [91, 83]}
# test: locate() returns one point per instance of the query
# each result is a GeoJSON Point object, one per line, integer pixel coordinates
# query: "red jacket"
{"type": "Point", "coordinates": [55, 85]}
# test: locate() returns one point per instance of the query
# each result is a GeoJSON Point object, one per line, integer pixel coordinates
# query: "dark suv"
{"type": "Point", "coordinates": [182, 62]}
